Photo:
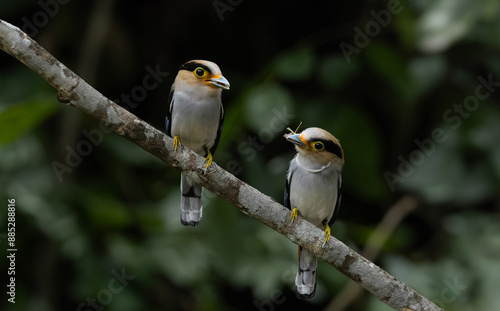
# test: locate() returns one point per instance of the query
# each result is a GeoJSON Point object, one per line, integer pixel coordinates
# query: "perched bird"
{"type": "Point", "coordinates": [313, 191]}
{"type": "Point", "coordinates": [194, 119]}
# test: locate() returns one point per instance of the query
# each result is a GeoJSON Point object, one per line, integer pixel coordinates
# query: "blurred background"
{"type": "Point", "coordinates": [410, 88]}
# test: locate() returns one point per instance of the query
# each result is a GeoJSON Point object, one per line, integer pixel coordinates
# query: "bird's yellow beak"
{"type": "Point", "coordinates": [220, 82]}
{"type": "Point", "coordinates": [295, 139]}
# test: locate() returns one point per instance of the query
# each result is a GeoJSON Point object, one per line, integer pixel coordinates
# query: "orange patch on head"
{"type": "Point", "coordinates": [209, 77]}
{"type": "Point", "coordinates": [305, 142]}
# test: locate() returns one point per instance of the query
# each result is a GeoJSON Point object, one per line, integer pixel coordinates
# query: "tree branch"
{"type": "Point", "coordinates": [374, 244]}
{"type": "Point", "coordinates": [76, 92]}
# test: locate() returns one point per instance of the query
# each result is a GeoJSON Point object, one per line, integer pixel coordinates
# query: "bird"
{"type": "Point", "coordinates": [314, 191]}
{"type": "Point", "coordinates": [195, 119]}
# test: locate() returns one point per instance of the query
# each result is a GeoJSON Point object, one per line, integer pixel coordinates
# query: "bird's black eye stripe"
{"type": "Point", "coordinates": [330, 146]}
{"type": "Point", "coordinates": [191, 66]}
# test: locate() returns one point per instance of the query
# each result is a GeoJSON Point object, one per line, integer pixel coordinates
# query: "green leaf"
{"type": "Point", "coordinates": [363, 149]}
{"type": "Point", "coordinates": [19, 119]}
{"type": "Point", "coordinates": [295, 65]}
{"type": "Point", "coordinates": [391, 66]}
{"type": "Point", "coordinates": [335, 72]}
{"type": "Point", "coordinates": [445, 22]}
{"type": "Point", "coordinates": [105, 211]}
{"type": "Point", "coordinates": [427, 71]}
{"type": "Point", "coordinates": [268, 110]}
{"type": "Point", "coordinates": [463, 167]}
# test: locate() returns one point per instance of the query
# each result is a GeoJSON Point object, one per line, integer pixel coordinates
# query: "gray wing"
{"type": "Point", "coordinates": [168, 118]}
{"type": "Point", "coordinates": [339, 199]}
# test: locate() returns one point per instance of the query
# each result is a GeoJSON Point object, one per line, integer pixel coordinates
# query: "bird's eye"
{"type": "Point", "coordinates": [318, 146]}
{"type": "Point", "coordinates": [200, 72]}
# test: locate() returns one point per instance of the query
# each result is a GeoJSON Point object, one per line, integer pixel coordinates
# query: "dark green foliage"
{"type": "Point", "coordinates": [405, 108]}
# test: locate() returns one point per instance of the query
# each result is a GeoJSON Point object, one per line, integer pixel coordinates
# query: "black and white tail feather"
{"type": "Point", "coordinates": [191, 202]}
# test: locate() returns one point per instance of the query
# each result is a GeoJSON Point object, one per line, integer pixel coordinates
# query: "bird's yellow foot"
{"type": "Point", "coordinates": [295, 213]}
{"type": "Point", "coordinates": [177, 142]}
{"type": "Point", "coordinates": [209, 159]}
{"type": "Point", "coordinates": [327, 234]}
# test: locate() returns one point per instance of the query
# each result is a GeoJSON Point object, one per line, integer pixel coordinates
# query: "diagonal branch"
{"type": "Point", "coordinates": [375, 242]}
{"type": "Point", "coordinates": [76, 92]}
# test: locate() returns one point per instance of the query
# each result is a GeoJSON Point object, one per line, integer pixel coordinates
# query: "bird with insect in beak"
{"type": "Point", "coordinates": [313, 191]}
{"type": "Point", "coordinates": [194, 119]}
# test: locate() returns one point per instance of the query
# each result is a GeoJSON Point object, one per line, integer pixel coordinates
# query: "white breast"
{"type": "Point", "coordinates": [195, 121]}
{"type": "Point", "coordinates": [314, 194]}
